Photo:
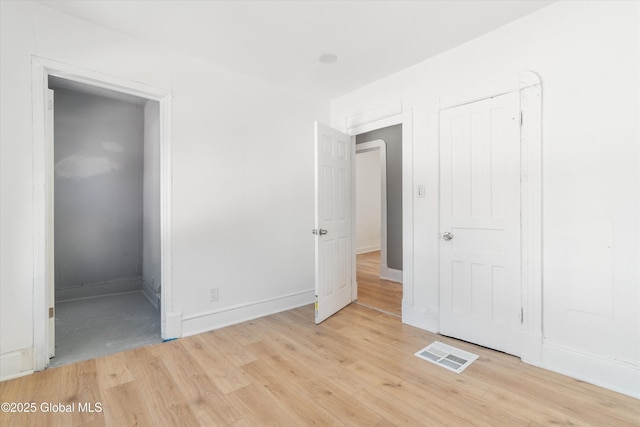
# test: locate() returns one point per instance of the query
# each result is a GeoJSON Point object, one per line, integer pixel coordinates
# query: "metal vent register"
{"type": "Point", "coordinates": [448, 357]}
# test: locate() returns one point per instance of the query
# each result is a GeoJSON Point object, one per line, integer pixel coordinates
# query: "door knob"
{"type": "Point", "coordinates": [447, 236]}
{"type": "Point", "coordinates": [320, 232]}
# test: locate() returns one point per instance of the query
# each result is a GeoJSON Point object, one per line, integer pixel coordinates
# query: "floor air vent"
{"type": "Point", "coordinates": [444, 355]}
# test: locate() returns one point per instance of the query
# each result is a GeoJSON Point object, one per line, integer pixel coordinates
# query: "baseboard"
{"type": "Point", "coordinates": [367, 249]}
{"type": "Point", "coordinates": [421, 317]}
{"type": "Point", "coordinates": [151, 294]}
{"type": "Point", "coordinates": [16, 364]}
{"type": "Point", "coordinates": [204, 322]}
{"type": "Point", "coordinates": [387, 273]}
{"type": "Point", "coordinates": [117, 286]}
{"type": "Point", "coordinates": [604, 372]}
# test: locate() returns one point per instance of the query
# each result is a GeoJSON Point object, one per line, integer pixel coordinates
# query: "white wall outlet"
{"type": "Point", "coordinates": [213, 294]}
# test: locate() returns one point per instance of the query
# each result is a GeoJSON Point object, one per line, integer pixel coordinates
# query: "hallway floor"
{"type": "Point", "coordinates": [374, 292]}
{"type": "Point", "coordinates": [94, 327]}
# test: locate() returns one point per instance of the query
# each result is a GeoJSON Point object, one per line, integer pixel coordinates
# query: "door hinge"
{"type": "Point", "coordinates": [50, 312]}
{"type": "Point", "coordinates": [50, 104]}
{"type": "Point", "coordinates": [521, 315]}
{"type": "Point", "coordinates": [521, 118]}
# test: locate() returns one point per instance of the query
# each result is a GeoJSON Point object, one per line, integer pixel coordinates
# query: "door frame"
{"type": "Point", "coordinates": [388, 115]}
{"type": "Point", "coordinates": [42, 68]}
{"type": "Point", "coordinates": [529, 86]}
{"type": "Point", "coordinates": [461, 325]}
{"type": "Point", "coordinates": [380, 146]}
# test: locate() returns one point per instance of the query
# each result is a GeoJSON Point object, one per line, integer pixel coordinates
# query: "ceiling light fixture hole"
{"type": "Point", "coordinates": [328, 58]}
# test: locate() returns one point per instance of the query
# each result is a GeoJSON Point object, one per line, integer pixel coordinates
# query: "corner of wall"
{"type": "Point", "coordinates": [152, 294]}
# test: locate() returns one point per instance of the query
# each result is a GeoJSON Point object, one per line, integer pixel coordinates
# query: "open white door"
{"type": "Point", "coordinates": [480, 296]}
{"type": "Point", "coordinates": [50, 277]}
{"type": "Point", "coordinates": [333, 221]}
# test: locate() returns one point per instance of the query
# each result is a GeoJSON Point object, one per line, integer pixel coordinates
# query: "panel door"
{"type": "Point", "coordinates": [333, 220]}
{"type": "Point", "coordinates": [480, 295]}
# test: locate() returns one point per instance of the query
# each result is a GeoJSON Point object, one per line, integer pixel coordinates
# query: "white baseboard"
{"type": "Point", "coordinates": [595, 369]}
{"type": "Point", "coordinates": [387, 273]}
{"type": "Point", "coordinates": [16, 364]}
{"type": "Point", "coordinates": [117, 286]}
{"type": "Point", "coordinates": [151, 294]}
{"type": "Point", "coordinates": [421, 317]}
{"type": "Point", "coordinates": [367, 249]}
{"type": "Point", "coordinates": [208, 321]}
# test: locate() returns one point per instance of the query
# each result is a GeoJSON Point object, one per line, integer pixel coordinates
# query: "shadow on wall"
{"type": "Point", "coordinates": [99, 194]}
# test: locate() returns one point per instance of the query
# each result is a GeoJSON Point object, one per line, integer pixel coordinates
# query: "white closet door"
{"type": "Point", "coordinates": [480, 295]}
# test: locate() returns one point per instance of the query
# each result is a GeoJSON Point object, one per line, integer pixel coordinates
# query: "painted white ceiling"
{"type": "Point", "coordinates": [282, 40]}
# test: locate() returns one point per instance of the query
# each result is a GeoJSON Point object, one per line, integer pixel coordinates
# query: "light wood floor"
{"type": "Point", "coordinates": [356, 368]}
{"type": "Point", "coordinates": [373, 291]}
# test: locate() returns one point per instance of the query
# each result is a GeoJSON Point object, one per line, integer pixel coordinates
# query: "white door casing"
{"type": "Point", "coordinates": [42, 68]}
{"type": "Point", "coordinates": [50, 264]}
{"type": "Point", "coordinates": [333, 221]}
{"type": "Point", "coordinates": [480, 265]}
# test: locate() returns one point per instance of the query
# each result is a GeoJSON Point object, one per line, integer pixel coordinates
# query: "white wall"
{"type": "Point", "coordinates": [242, 176]}
{"type": "Point", "coordinates": [98, 194]}
{"type": "Point", "coordinates": [368, 209]}
{"type": "Point", "coordinates": [242, 163]}
{"type": "Point", "coordinates": [587, 54]}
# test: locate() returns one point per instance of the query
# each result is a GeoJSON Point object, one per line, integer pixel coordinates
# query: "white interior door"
{"type": "Point", "coordinates": [333, 221]}
{"type": "Point", "coordinates": [50, 277]}
{"type": "Point", "coordinates": [480, 296]}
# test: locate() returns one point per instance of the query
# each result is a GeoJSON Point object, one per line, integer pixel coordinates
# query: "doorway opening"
{"type": "Point", "coordinates": [105, 233]}
{"type": "Point", "coordinates": [378, 202]}
{"type": "Point", "coordinates": [336, 283]}
{"type": "Point", "coordinates": [43, 196]}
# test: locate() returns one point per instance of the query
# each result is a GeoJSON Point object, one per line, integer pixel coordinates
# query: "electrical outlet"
{"type": "Point", "coordinates": [213, 294]}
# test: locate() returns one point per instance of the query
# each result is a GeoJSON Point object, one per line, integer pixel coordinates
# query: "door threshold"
{"type": "Point", "coordinates": [377, 309]}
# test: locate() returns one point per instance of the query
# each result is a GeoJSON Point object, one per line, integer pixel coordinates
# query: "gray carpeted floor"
{"type": "Point", "coordinates": [93, 327]}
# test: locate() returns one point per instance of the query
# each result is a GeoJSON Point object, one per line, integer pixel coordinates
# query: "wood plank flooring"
{"type": "Point", "coordinates": [355, 369]}
{"type": "Point", "coordinates": [373, 291]}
